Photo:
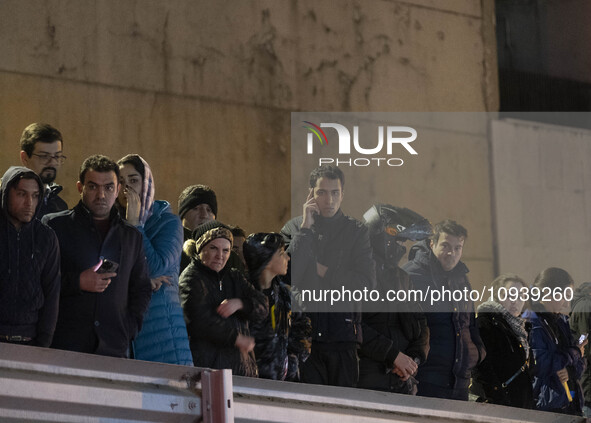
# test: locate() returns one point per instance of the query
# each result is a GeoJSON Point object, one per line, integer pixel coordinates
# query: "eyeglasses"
{"type": "Point", "coordinates": [47, 158]}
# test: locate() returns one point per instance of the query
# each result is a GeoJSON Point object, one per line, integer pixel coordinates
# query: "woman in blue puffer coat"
{"type": "Point", "coordinates": [163, 337]}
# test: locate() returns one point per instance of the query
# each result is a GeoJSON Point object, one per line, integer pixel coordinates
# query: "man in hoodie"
{"type": "Point", "coordinates": [455, 344]}
{"type": "Point", "coordinates": [41, 151]}
{"type": "Point", "coordinates": [30, 265]}
{"type": "Point", "coordinates": [580, 324]}
{"type": "Point", "coordinates": [330, 250]}
{"type": "Point", "coordinates": [105, 287]}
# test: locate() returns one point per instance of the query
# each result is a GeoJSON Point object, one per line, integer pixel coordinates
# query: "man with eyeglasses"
{"type": "Point", "coordinates": [105, 287]}
{"type": "Point", "coordinates": [41, 151]}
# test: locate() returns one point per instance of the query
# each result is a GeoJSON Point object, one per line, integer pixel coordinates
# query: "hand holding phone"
{"type": "Point", "coordinates": [310, 210]}
{"type": "Point", "coordinates": [98, 277]}
{"type": "Point", "coordinates": [107, 266]}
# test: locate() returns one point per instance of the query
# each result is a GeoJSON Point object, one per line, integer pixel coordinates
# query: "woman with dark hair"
{"type": "Point", "coordinates": [503, 376]}
{"type": "Point", "coordinates": [558, 360]}
{"type": "Point", "coordinates": [283, 338]}
{"type": "Point", "coordinates": [218, 303]}
{"type": "Point", "coordinates": [163, 337]}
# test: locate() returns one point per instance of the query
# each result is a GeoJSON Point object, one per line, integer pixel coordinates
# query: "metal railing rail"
{"type": "Point", "coordinates": [258, 400]}
{"type": "Point", "coordinates": [44, 385]}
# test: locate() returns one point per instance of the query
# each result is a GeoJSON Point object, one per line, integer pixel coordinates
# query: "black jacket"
{"type": "Point", "coordinates": [342, 244]}
{"type": "Point", "coordinates": [455, 344]}
{"type": "Point", "coordinates": [212, 337]}
{"type": "Point", "coordinates": [386, 334]}
{"type": "Point", "coordinates": [51, 201]}
{"type": "Point", "coordinates": [505, 357]}
{"type": "Point", "coordinates": [282, 338]}
{"type": "Point", "coordinates": [115, 315]}
{"type": "Point", "coordinates": [29, 272]}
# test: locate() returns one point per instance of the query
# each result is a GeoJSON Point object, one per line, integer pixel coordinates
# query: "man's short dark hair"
{"type": "Point", "coordinates": [450, 227]}
{"type": "Point", "coordinates": [237, 231]}
{"type": "Point", "coordinates": [98, 163]}
{"type": "Point", "coordinates": [38, 132]}
{"type": "Point", "coordinates": [329, 172]}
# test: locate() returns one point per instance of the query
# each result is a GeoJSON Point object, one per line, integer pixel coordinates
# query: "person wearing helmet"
{"type": "Point", "coordinates": [394, 343]}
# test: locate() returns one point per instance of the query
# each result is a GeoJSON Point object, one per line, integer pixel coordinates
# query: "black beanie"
{"type": "Point", "coordinates": [258, 251]}
{"type": "Point", "coordinates": [194, 195]}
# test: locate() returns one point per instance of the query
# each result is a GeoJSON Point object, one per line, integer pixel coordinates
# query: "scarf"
{"type": "Point", "coordinates": [147, 194]}
{"type": "Point", "coordinates": [517, 324]}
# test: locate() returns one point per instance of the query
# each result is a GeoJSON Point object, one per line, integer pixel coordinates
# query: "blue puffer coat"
{"type": "Point", "coordinates": [163, 337]}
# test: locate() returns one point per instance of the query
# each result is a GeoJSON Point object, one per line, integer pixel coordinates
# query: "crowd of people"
{"type": "Point", "coordinates": [121, 275]}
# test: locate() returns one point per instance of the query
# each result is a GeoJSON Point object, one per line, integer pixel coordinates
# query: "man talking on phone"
{"type": "Point", "coordinates": [105, 288]}
{"type": "Point", "coordinates": [330, 249]}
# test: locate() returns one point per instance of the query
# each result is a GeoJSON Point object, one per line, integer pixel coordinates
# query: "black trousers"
{"type": "Point", "coordinates": [331, 366]}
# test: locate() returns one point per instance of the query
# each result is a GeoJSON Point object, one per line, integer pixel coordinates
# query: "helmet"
{"type": "Point", "coordinates": [388, 224]}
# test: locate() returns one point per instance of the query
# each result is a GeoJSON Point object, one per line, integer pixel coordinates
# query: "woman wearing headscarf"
{"type": "Point", "coordinates": [163, 337]}
{"type": "Point", "coordinates": [283, 339]}
{"type": "Point", "coordinates": [503, 376]}
{"type": "Point", "coordinates": [558, 358]}
{"type": "Point", "coordinates": [218, 304]}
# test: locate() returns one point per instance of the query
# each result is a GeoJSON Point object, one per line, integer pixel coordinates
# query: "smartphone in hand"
{"type": "Point", "coordinates": [108, 266]}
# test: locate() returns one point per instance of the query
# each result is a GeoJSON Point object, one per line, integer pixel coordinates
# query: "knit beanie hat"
{"type": "Point", "coordinates": [194, 195]}
{"type": "Point", "coordinates": [210, 235]}
{"type": "Point", "coordinates": [204, 227]}
{"type": "Point", "coordinates": [258, 251]}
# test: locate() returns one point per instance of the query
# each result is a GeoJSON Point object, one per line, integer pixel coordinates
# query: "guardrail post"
{"type": "Point", "coordinates": [217, 402]}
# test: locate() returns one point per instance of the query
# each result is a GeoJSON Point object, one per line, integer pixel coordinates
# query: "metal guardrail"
{"type": "Point", "coordinates": [45, 385]}
{"type": "Point", "coordinates": [257, 400]}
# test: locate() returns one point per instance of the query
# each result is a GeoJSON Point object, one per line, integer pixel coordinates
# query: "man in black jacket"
{"type": "Point", "coordinates": [330, 250]}
{"type": "Point", "coordinates": [397, 341]}
{"type": "Point", "coordinates": [455, 344]}
{"type": "Point", "coordinates": [41, 151]}
{"type": "Point", "coordinates": [30, 265]}
{"type": "Point", "coordinates": [101, 311]}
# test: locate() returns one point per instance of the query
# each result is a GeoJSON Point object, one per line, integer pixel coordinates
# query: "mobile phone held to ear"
{"type": "Point", "coordinates": [582, 338]}
{"type": "Point", "coordinates": [108, 266]}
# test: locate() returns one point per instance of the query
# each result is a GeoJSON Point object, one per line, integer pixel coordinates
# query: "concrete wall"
{"type": "Point", "coordinates": [542, 198]}
{"type": "Point", "coordinates": [204, 90]}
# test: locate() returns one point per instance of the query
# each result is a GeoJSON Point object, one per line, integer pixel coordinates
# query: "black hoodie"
{"type": "Point", "coordinates": [29, 270]}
